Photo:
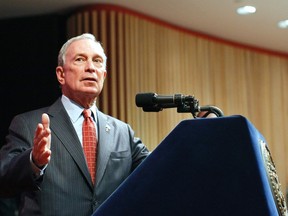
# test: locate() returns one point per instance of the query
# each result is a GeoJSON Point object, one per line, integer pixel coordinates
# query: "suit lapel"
{"type": "Point", "coordinates": [105, 132]}
{"type": "Point", "coordinates": [61, 125]}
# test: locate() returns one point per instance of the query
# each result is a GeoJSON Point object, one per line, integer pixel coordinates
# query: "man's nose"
{"type": "Point", "coordinates": [90, 66]}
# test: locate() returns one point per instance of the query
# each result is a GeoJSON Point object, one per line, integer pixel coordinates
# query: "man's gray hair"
{"type": "Point", "coordinates": [62, 52]}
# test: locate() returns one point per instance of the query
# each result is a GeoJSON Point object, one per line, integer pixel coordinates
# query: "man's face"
{"type": "Point", "coordinates": [84, 72]}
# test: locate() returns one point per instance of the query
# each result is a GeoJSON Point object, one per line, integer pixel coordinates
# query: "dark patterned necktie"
{"type": "Point", "coordinates": [89, 142]}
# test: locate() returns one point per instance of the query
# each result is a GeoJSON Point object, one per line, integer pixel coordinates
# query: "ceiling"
{"type": "Point", "coordinates": [217, 18]}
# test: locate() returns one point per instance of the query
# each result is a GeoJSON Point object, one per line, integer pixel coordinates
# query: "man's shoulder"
{"type": "Point", "coordinates": [36, 112]}
{"type": "Point", "coordinates": [110, 119]}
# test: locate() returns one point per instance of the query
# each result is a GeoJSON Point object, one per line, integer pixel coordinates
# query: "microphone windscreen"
{"type": "Point", "coordinates": [144, 99]}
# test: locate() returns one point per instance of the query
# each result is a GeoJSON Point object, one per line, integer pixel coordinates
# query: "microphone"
{"type": "Point", "coordinates": [152, 102]}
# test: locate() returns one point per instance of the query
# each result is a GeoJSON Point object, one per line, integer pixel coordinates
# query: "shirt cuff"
{"type": "Point", "coordinates": [37, 171]}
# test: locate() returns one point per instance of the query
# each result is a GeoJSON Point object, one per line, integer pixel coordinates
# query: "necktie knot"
{"type": "Point", "coordinates": [87, 113]}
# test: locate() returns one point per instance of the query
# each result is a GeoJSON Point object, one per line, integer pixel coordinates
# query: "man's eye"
{"type": "Point", "coordinates": [80, 59]}
{"type": "Point", "coordinates": [98, 60]}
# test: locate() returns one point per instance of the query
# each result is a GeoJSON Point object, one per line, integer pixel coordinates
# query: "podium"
{"type": "Point", "coordinates": [204, 167]}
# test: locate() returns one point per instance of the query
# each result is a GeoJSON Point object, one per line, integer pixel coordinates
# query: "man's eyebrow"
{"type": "Point", "coordinates": [98, 56]}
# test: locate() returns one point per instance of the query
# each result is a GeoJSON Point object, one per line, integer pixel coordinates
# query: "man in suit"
{"type": "Point", "coordinates": [43, 158]}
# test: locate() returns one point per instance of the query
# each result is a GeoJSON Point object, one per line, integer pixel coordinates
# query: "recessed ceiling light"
{"type": "Point", "coordinates": [246, 10]}
{"type": "Point", "coordinates": [283, 24]}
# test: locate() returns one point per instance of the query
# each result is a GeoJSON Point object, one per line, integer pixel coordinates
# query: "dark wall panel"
{"type": "Point", "coordinates": [28, 57]}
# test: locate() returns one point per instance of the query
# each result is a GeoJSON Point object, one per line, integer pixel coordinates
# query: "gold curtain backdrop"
{"type": "Point", "coordinates": [148, 55]}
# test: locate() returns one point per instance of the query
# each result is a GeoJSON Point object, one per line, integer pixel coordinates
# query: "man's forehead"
{"type": "Point", "coordinates": [80, 46]}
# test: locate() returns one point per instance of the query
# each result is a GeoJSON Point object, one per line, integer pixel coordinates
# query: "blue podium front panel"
{"type": "Point", "coordinates": [203, 167]}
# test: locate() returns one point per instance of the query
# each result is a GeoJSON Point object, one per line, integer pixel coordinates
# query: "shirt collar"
{"type": "Point", "coordinates": [74, 110]}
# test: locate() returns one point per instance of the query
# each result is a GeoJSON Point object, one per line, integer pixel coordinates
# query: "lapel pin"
{"type": "Point", "coordinates": [107, 128]}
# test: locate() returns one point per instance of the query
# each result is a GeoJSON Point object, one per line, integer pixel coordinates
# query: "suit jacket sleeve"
{"type": "Point", "coordinates": [16, 174]}
{"type": "Point", "coordinates": [139, 150]}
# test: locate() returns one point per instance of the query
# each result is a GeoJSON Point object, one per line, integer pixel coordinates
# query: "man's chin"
{"type": "Point", "coordinates": [91, 91]}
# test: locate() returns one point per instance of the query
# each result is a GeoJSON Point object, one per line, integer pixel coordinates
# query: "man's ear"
{"type": "Point", "coordinates": [105, 73]}
{"type": "Point", "coordinates": [60, 75]}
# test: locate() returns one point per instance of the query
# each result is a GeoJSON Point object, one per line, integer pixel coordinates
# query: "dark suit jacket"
{"type": "Point", "coordinates": [66, 188]}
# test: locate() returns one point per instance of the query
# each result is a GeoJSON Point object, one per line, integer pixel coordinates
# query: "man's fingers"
{"type": "Point", "coordinates": [40, 134]}
{"type": "Point", "coordinates": [45, 120]}
{"type": "Point", "coordinates": [41, 151]}
{"type": "Point", "coordinates": [43, 144]}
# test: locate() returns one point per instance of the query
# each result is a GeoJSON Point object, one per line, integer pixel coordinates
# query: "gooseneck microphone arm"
{"type": "Point", "coordinates": [211, 109]}
{"type": "Point", "coordinates": [152, 102]}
